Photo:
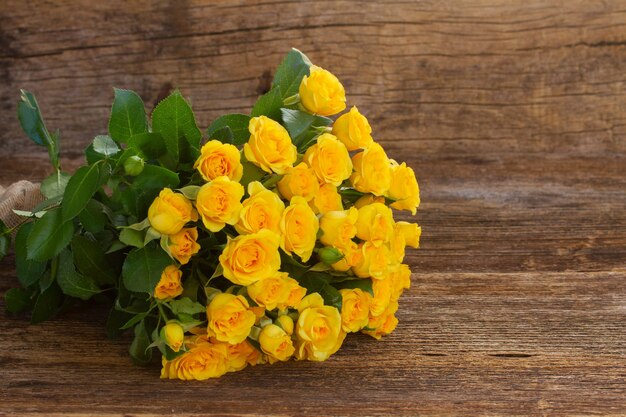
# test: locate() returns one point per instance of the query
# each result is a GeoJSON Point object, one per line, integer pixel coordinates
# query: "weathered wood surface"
{"type": "Point", "coordinates": [513, 115]}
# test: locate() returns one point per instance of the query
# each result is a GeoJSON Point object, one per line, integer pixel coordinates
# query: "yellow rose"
{"type": "Point", "coordinates": [382, 296]}
{"type": "Point", "coordinates": [247, 259]}
{"type": "Point", "coordinates": [202, 361]}
{"type": "Point", "coordinates": [219, 159]}
{"type": "Point", "coordinates": [169, 285]}
{"type": "Point", "coordinates": [329, 159]}
{"type": "Point", "coordinates": [169, 212]}
{"type": "Point", "coordinates": [229, 318]}
{"type": "Point", "coordinates": [262, 210]}
{"type": "Point", "coordinates": [355, 309]}
{"type": "Point", "coordinates": [298, 228]}
{"type": "Point", "coordinates": [338, 227]}
{"type": "Point", "coordinates": [375, 223]}
{"type": "Point", "coordinates": [318, 332]}
{"type": "Point", "coordinates": [276, 343]}
{"type": "Point", "coordinates": [173, 334]}
{"type": "Point", "coordinates": [384, 323]}
{"type": "Point", "coordinates": [368, 199]}
{"type": "Point", "coordinates": [271, 291]}
{"type": "Point", "coordinates": [400, 280]}
{"type": "Point", "coordinates": [352, 256]}
{"type": "Point", "coordinates": [299, 180]}
{"type": "Point", "coordinates": [241, 355]}
{"type": "Point", "coordinates": [353, 130]}
{"type": "Point", "coordinates": [322, 93]}
{"type": "Point", "coordinates": [269, 146]}
{"type": "Point", "coordinates": [183, 245]}
{"type": "Point", "coordinates": [373, 262]}
{"type": "Point", "coordinates": [404, 188]}
{"type": "Point", "coordinates": [411, 233]}
{"type": "Point", "coordinates": [397, 245]}
{"type": "Point", "coordinates": [219, 203]}
{"type": "Point", "coordinates": [286, 323]}
{"type": "Point", "coordinates": [326, 199]}
{"type": "Point", "coordinates": [372, 170]}
{"type": "Point", "coordinates": [296, 294]}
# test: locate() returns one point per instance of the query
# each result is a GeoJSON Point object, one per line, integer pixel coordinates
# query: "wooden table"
{"type": "Point", "coordinates": [513, 115]}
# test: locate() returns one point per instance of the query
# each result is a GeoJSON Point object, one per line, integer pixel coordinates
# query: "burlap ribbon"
{"type": "Point", "coordinates": [21, 195]}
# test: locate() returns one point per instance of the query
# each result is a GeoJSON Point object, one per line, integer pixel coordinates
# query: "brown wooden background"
{"type": "Point", "coordinates": [513, 114]}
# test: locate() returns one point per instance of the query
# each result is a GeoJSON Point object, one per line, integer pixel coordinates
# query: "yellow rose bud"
{"type": "Point", "coordinates": [286, 323]}
{"type": "Point", "coordinates": [374, 261]}
{"type": "Point", "coordinates": [383, 324]}
{"type": "Point", "coordinates": [326, 199]}
{"type": "Point", "coordinates": [298, 228]}
{"type": "Point", "coordinates": [382, 296]}
{"type": "Point", "coordinates": [319, 333]}
{"type": "Point", "coordinates": [375, 223]}
{"type": "Point", "coordinates": [411, 233]}
{"type": "Point", "coordinates": [372, 170]}
{"type": "Point", "coordinates": [247, 259]}
{"type": "Point", "coordinates": [229, 318]}
{"type": "Point", "coordinates": [219, 159]}
{"type": "Point", "coordinates": [269, 146]}
{"type": "Point", "coordinates": [183, 245]}
{"type": "Point", "coordinates": [299, 180]}
{"type": "Point", "coordinates": [170, 211]}
{"type": "Point", "coordinates": [339, 227]}
{"type": "Point", "coordinates": [353, 130]}
{"type": "Point", "coordinates": [352, 256]}
{"type": "Point", "coordinates": [330, 255]}
{"type": "Point", "coordinates": [169, 285]}
{"type": "Point", "coordinates": [241, 355]}
{"type": "Point", "coordinates": [322, 93]}
{"type": "Point", "coordinates": [404, 188]}
{"type": "Point", "coordinates": [296, 294]}
{"type": "Point", "coordinates": [262, 210]}
{"type": "Point", "coordinates": [368, 199]}
{"type": "Point", "coordinates": [134, 165]}
{"type": "Point", "coordinates": [173, 335]}
{"type": "Point", "coordinates": [355, 309]}
{"type": "Point", "coordinates": [219, 203]}
{"type": "Point", "coordinates": [276, 343]}
{"type": "Point", "coordinates": [329, 159]}
{"type": "Point", "coordinates": [203, 361]}
{"type": "Point", "coordinates": [271, 291]}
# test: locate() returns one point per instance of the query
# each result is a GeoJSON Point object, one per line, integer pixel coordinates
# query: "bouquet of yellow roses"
{"type": "Point", "coordinates": [272, 239]}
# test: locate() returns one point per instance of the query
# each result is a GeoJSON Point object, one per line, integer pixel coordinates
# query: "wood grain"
{"type": "Point", "coordinates": [513, 115]}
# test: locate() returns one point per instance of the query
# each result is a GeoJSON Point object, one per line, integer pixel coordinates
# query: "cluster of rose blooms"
{"type": "Point", "coordinates": [266, 315]}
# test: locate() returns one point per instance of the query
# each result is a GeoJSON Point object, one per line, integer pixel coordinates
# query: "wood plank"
{"type": "Point", "coordinates": [510, 343]}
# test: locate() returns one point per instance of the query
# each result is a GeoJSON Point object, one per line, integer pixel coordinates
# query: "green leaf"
{"type": "Point", "coordinates": [16, 300]}
{"type": "Point", "coordinates": [73, 283]}
{"type": "Point", "coordinates": [237, 125]}
{"type": "Point", "coordinates": [47, 304]}
{"type": "Point", "coordinates": [314, 281]}
{"type": "Point", "coordinates": [115, 321]}
{"type": "Point", "coordinates": [28, 271]}
{"type": "Point", "coordinates": [32, 123]}
{"type": "Point", "coordinates": [46, 280]}
{"type": "Point", "coordinates": [55, 184]}
{"type": "Point", "coordinates": [104, 145]}
{"type": "Point", "coordinates": [269, 104]}
{"type": "Point", "coordinates": [364, 284]}
{"type": "Point", "coordinates": [186, 306]}
{"type": "Point", "coordinates": [331, 296]}
{"type": "Point", "coordinates": [93, 217]}
{"type": "Point", "coordinates": [150, 145]}
{"type": "Point", "coordinates": [251, 172]}
{"type": "Point", "coordinates": [175, 121]}
{"type": "Point", "coordinates": [290, 72]}
{"type": "Point", "coordinates": [143, 268]}
{"type": "Point", "coordinates": [49, 236]}
{"type": "Point", "coordinates": [80, 188]}
{"type": "Point", "coordinates": [128, 116]}
{"type": "Point", "coordinates": [5, 240]}
{"type": "Point", "coordinates": [138, 350]}
{"type": "Point", "coordinates": [91, 261]}
{"type": "Point", "coordinates": [134, 320]}
{"type": "Point", "coordinates": [154, 177]}
{"type": "Point", "coordinates": [132, 237]}
{"type": "Point", "coordinates": [298, 123]}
